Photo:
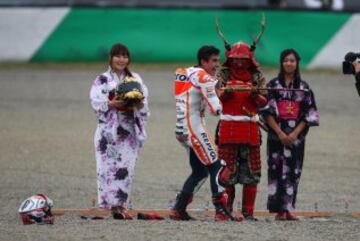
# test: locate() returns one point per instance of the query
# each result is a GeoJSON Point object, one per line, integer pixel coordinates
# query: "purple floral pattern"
{"type": "Point", "coordinates": [118, 139]}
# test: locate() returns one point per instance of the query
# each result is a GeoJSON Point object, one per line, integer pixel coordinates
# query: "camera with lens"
{"type": "Point", "coordinates": [348, 67]}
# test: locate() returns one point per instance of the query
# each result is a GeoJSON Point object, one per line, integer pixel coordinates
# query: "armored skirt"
{"type": "Point", "coordinates": [118, 138]}
{"type": "Point", "coordinates": [285, 163]}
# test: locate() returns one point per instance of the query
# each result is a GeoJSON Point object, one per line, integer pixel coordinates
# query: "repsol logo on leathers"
{"type": "Point", "coordinates": [208, 146]}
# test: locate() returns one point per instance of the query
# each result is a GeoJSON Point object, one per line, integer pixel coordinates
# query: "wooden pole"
{"type": "Point", "coordinates": [239, 88]}
{"type": "Point", "coordinates": [165, 212]}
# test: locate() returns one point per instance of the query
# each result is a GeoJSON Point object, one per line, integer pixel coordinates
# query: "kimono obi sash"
{"type": "Point", "coordinates": [288, 110]}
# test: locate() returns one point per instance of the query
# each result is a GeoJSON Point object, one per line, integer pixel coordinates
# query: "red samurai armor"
{"type": "Point", "coordinates": [238, 121]}
{"type": "Point", "coordinates": [238, 130]}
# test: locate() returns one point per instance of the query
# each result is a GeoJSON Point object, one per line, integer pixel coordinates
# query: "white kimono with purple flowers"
{"type": "Point", "coordinates": [118, 139]}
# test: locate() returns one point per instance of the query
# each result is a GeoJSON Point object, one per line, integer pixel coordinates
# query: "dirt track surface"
{"type": "Point", "coordinates": [46, 146]}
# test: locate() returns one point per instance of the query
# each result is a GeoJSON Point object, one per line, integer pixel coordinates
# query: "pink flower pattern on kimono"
{"type": "Point", "coordinates": [285, 163]}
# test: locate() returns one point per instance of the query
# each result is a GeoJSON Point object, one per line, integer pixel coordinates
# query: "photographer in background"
{"type": "Point", "coordinates": [351, 65]}
{"type": "Point", "coordinates": [357, 75]}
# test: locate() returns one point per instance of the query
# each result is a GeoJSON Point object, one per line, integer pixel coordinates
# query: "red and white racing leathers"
{"type": "Point", "coordinates": [194, 91]}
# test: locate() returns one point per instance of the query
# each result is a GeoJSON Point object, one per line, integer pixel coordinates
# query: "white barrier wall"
{"type": "Point", "coordinates": [24, 30]}
{"type": "Point", "coordinates": [85, 34]}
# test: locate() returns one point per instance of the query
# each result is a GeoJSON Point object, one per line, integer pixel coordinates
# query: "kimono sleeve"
{"type": "Point", "coordinates": [99, 97]}
{"type": "Point", "coordinates": [142, 115]}
{"type": "Point", "coordinates": [311, 114]}
{"type": "Point", "coordinates": [271, 107]}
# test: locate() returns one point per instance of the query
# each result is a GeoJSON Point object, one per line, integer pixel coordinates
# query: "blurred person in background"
{"type": "Point", "coordinates": [357, 75]}
{"type": "Point", "coordinates": [336, 5]}
{"type": "Point", "coordinates": [288, 115]}
{"type": "Point", "coordinates": [277, 3]}
{"type": "Point", "coordinates": [120, 132]}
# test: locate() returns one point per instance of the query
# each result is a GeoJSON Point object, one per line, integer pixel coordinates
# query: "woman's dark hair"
{"type": "Point", "coordinates": [205, 52]}
{"type": "Point", "coordinates": [120, 49]}
{"type": "Point", "coordinates": [297, 76]}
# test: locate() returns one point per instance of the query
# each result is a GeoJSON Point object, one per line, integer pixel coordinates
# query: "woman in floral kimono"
{"type": "Point", "coordinates": [289, 115]}
{"type": "Point", "coordinates": [120, 133]}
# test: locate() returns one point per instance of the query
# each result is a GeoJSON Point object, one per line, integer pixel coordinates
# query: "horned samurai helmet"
{"type": "Point", "coordinates": [241, 49]}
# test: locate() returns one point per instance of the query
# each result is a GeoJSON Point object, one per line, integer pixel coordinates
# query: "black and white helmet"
{"type": "Point", "coordinates": [37, 209]}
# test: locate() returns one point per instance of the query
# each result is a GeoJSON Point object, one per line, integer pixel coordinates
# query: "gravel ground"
{"type": "Point", "coordinates": [46, 146]}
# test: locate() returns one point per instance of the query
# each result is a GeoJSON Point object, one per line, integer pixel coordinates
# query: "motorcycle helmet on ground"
{"type": "Point", "coordinates": [37, 209]}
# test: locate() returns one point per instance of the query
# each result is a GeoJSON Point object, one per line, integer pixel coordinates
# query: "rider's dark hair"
{"type": "Point", "coordinates": [205, 52]}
